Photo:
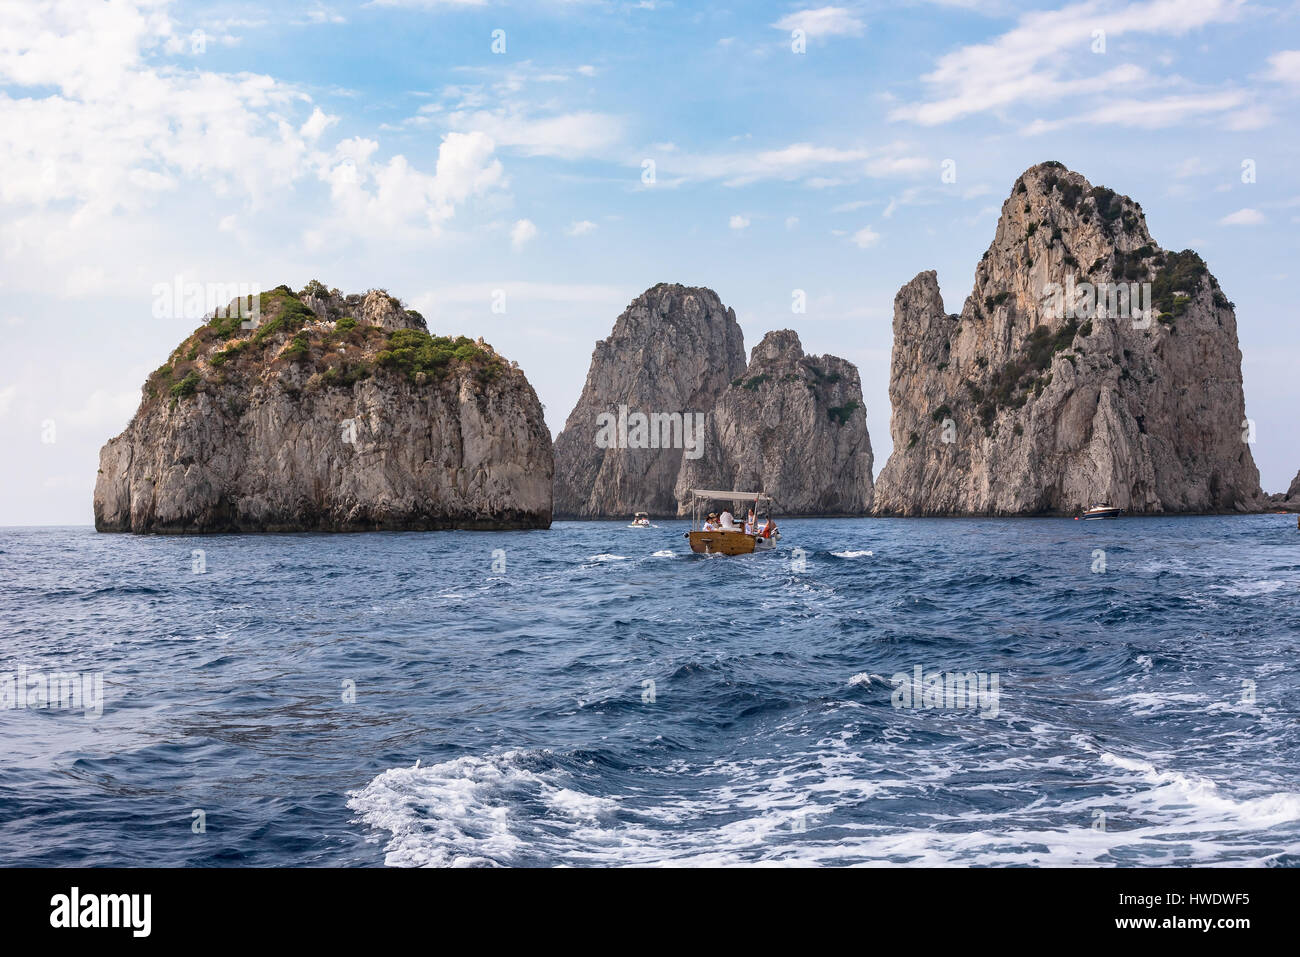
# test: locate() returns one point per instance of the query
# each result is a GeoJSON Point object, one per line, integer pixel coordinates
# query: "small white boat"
{"type": "Point", "coordinates": [1101, 510]}
{"type": "Point", "coordinates": [640, 520]}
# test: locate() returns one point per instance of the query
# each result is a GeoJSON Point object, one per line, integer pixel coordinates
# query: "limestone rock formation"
{"type": "Point", "coordinates": [791, 425]}
{"type": "Point", "coordinates": [333, 413]}
{"type": "Point", "coordinates": [1032, 401]}
{"type": "Point", "coordinates": [1288, 501]}
{"type": "Point", "coordinates": [674, 350]}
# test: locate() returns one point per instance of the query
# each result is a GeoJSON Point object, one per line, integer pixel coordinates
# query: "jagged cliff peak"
{"type": "Point", "coordinates": [793, 425]}
{"type": "Point", "coordinates": [672, 352]}
{"type": "Point", "coordinates": [329, 412]}
{"type": "Point", "coordinates": [777, 345]}
{"type": "Point", "coordinates": [672, 309]}
{"type": "Point", "coordinates": [1086, 364]}
{"type": "Point", "coordinates": [374, 307]}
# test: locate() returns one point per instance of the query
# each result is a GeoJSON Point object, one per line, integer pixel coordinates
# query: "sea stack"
{"type": "Point", "coordinates": [791, 425]}
{"type": "Point", "coordinates": [326, 412]}
{"type": "Point", "coordinates": [1288, 500]}
{"type": "Point", "coordinates": [1087, 364]}
{"type": "Point", "coordinates": [673, 351]}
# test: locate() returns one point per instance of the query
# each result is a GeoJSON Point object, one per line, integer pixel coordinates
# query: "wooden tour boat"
{"type": "Point", "coordinates": [732, 541]}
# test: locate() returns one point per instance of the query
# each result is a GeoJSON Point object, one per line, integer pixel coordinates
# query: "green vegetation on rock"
{"type": "Point", "coordinates": [1010, 386]}
{"type": "Point", "coordinates": [187, 386]}
{"type": "Point", "coordinates": [336, 357]}
{"type": "Point", "coordinates": [415, 352]}
{"type": "Point", "coordinates": [1176, 282]}
{"type": "Point", "coordinates": [840, 414]}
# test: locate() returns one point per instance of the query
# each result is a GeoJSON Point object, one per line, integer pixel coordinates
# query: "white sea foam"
{"type": "Point", "coordinates": [813, 806]}
{"type": "Point", "coordinates": [850, 554]}
{"type": "Point", "coordinates": [471, 811]}
{"type": "Point", "coordinates": [665, 553]}
{"type": "Point", "coordinates": [1248, 588]}
{"type": "Point", "coordinates": [1149, 702]}
{"type": "Point", "coordinates": [1173, 789]}
{"type": "Point", "coordinates": [606, 557]}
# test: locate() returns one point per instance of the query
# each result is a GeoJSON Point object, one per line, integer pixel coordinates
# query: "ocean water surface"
{"type": "Point", "coordinates": [597, 695]}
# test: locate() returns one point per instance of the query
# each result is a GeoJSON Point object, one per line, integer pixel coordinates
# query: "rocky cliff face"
{"type": "Point", "coordinates": [791, 424]}
{"type": "Point", "coordinates": [1031, 401]}
{"type": "Point", "coordinates": [336, 414]}
{"type": "Point", "coordinates": [674, 350]}
{"type": "Point", "coordinates": [1288, 501]}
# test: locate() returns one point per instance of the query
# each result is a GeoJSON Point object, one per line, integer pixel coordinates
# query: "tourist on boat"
{"type": "Point", "coordinates": [711, 523]}
{"type": "Point", "coordinates": [727, 520]}
{"type": "Point", "coordinates": [749, 523]}
{"type": "Point", "coordinates": [767, 528]}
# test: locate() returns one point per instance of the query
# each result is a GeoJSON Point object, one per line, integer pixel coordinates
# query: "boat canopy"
{"type": "Point", "coordinates": [731, 496]}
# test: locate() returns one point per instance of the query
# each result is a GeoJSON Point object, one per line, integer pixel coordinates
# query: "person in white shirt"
{"type": "Point", "coordinates": [728, 520]}
{"type": "Point", "coordinates": [710, 523]}
{"type": "Point", "coordinates": [749, 523]}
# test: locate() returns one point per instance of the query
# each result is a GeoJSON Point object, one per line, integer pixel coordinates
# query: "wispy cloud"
{"type": "Point", "coordinates": [1284, 67]}
{"type": "Point", "coordinates": [1243, 217]}
{"type": "Point", "coordinates": [823, 22]}
{"type": "Point", "coordinates": [567, 135]}
{"type": "Point", "coordinates": [816, 165]}
{"type": "Point", "coordinates": [1050, 55]}
{"type": "Point", "coordinates": [1233, 109]}
{"type": "Point", "coordinates": [865, 237]}
{"type": "Point", "coordinates": [427, 4]}
{"type": "Point", "coordinates": [518, 117]}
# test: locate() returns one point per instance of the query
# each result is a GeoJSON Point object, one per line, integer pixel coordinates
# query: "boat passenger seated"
{"type": "Point", "coordinates": [727, 521]}
{"type": "Point", "coordinates": [711, 523]}
{"type": "Point", "coordinates": [749, 523]}
{"type": "Point", "coordinates": [767, 528]}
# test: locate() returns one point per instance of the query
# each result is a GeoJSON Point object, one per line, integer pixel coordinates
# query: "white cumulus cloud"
{"type": "Point", "coordinates": [865, 237]}
{"type": "Point", "coordinates": [523, 231]}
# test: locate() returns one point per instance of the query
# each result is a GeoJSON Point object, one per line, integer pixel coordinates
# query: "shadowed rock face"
{"type": "Point", "coordinates": [1016, 407]}
{"type": "Point", "coordinates": [675, 349]}
{"type": "Point", "coordinates": [1289, 500]}
{"type": "Point", "coordinates": [335, 414]}
{"type": "Point", "coordinates": [794, 426]}
{"type": "Point", "coordinates": [791, 424]}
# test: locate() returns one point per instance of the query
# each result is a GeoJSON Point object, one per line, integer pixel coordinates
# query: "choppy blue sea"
{"type": "Point", "coordinates": [596, 695]}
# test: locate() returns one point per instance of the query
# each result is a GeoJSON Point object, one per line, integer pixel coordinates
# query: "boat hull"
{"type": "Point", "coordinates": [727, 543]}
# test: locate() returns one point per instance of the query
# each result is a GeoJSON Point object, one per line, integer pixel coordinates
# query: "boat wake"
{"type": "Point", "coordinates": [828, 805]}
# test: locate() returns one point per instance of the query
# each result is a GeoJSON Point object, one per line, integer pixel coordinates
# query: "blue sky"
{"type": "Point", "coordinates": [387, 145]}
